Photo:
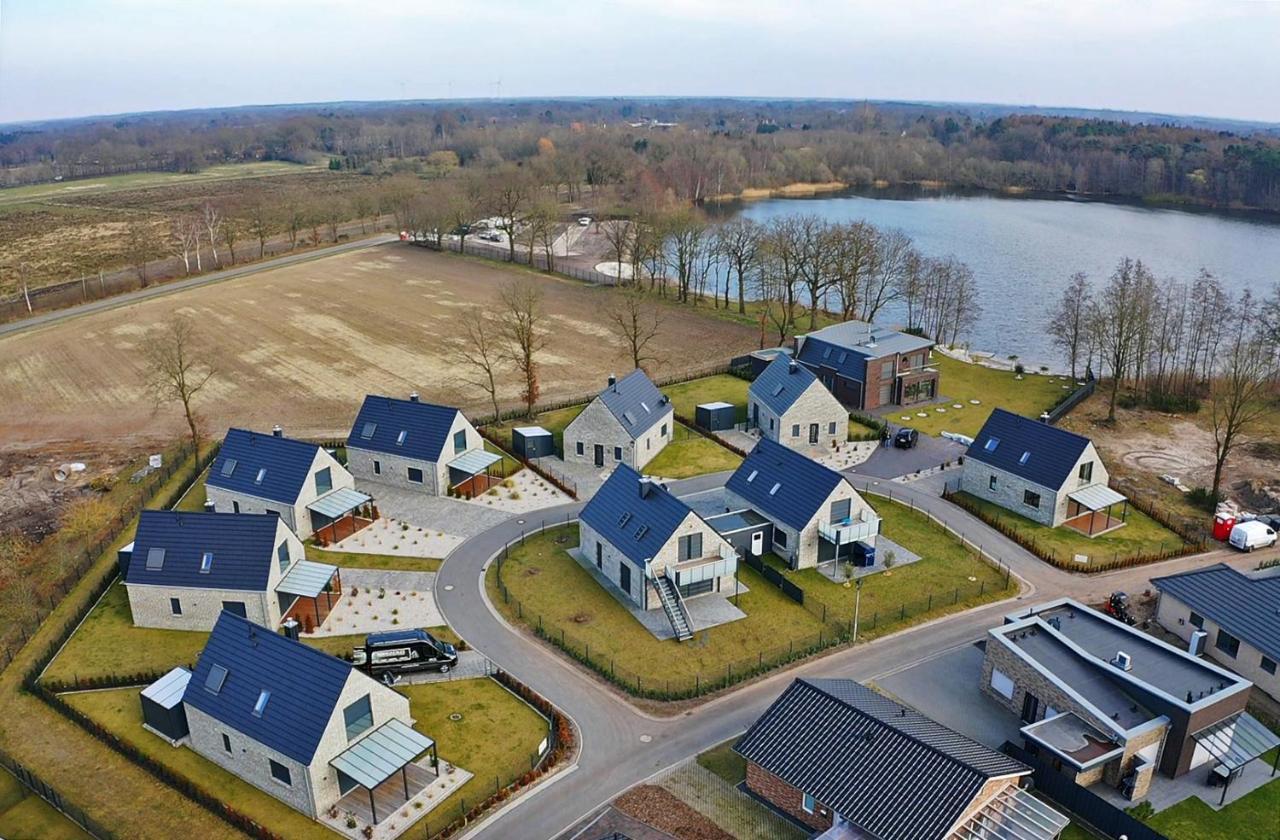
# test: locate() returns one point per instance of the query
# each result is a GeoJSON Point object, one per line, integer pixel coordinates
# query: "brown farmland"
{"type": "Point", "coordinates": [301, 345]}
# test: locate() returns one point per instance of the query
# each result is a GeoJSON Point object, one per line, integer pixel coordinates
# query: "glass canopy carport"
{"type": "Point", "coordinates": [307, 592]}
{"type": "Point", "coordinates": [1089, 509]}
{"type": "Point", "coordinates": [469, 473]}
{"type": "Point", "coordinates": [1235, 741]}
{"type": "Point", "coordinates": [336, 515]}
{"type": "Point", "coordinates": [374, 759]}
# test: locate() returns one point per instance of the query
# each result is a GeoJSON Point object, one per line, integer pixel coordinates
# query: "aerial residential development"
{"type": "Point", "coordinates": [591, 444]}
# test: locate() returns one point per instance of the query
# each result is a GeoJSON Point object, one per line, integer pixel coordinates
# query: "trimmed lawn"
{"type": "Point", "coordinates": [1076, 831]}
{"type": "Point", "coordinates": [724, 387]}
{"type": "Point", "coordinates": [357, 560]}
{"type": "Point", "coordinates": [689, 454]}
{"type": "Point", "coordinates": [1254, 816]}
{"type": "Point", "coordinates": [195, 497]}
{"type": "Point", "coordinates": [861, 431]}
{"type": "Point", "coordinates": [935, 584]}
{"type": "Point", "coordinates": [554, 590]}
{"type": "Point", "coordinates": [23, 814]}
{"type": "Point", "coordinates": [1141, 535]}
{"type": "Point", "coordinates": [724, 762]}
{"type": "Point", "coordinates": [552, 421]}
{"type": "Point", "coordinates": [496, 737]}
{"type": "Point", "coordinates": [960, 382]}
{"type": "Point", "coordinates": [107, 643]}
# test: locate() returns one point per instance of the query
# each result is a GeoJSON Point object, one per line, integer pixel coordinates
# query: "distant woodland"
{"type": "Point", "coordinates": [693, 149]}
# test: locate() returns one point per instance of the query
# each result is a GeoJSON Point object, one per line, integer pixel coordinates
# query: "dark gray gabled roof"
{"type": "Point", "coordinates": [781, 383]}
{"type": "Point", "coordinates": [1247, 607]}
{"type": "Point", "coordinates": [1029, 449]}
{"type": "Point", "coordinates": [636, 402]}
{"type": "Point", "coordinates": [892, 772]}
{"type": "Point", "coordinates": [635, 515]}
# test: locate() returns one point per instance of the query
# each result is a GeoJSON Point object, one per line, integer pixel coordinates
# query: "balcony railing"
{"type": "Point", "coordinates": [696, 569]}
{"type": "Point", "coordinates": [849, 531]}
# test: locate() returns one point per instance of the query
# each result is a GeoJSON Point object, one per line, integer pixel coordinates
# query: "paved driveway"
{"type": "Point", "coordinates": [435, 513]}
{"type": "Point", "coordinates": [891, 462]}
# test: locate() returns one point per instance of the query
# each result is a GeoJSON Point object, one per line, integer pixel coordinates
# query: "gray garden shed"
{"type": "Point", "coordinates": [716, 416]}
{"type": "Point", "coordinates": [532, 442]}
{"type": "Point", "coordinates": [162, 710]}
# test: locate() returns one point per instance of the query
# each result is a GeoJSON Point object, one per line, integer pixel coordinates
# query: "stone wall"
{"type": "Point", "coordinates": [386, 703]}
{"type": "Point", "coordinates": [368, 465]}
{"type": "Point", "coordinates": [611, 561]}
{"type": "Point", "coordinates": [786, 798]}
{"type": "Point", "coordinates": [249, 759]}
{"type": "Point", "coordinates": [227, 501]}
{"type": "Point", "coordinates": [975, 480]}
{"type": "Point", "coordinates": [791, 429]}
{"type": "Point", "coordinates": [597, 425]}
{"type": "Point", "coordinates": [200, 607]}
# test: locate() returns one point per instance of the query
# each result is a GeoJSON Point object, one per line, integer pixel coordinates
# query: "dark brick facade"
{"type": "Point", "coordinates": [786, 798]}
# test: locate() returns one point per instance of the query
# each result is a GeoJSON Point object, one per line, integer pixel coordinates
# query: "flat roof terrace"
{"type": "Point", "coordinates": [1173, 672]}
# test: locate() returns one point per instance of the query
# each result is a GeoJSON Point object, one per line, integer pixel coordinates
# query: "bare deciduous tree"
{"type": "Point", "coordinates": [1238, 395]}
{"type": "Point", "coordinates": [620, 236]}
{"type": "Point", "coordinates": [174, 372]}
{"type": "Point", "coordinates": [1116, 317]}
{"type": "Point", "coordinates": [211, 217]}
{"type": "Point", "coordinates": [139, 247]}
{"type": "Point", "coordinates": [481, 352]}
{"type": "Point", "coordinates": [184, 239]}
{"type": "Point", "coordinates": [1069, 319]}
{"type": "Point", "coordinates": [636, 321]}
{"type": "Point", "coordinates": [738, 242]}
{"type": "Point", "coordinates": [522, 317]}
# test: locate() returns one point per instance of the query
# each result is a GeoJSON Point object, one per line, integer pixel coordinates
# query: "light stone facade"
{"type": "Point", "coordinates": [643, 594]}
{"type": "Point", "coordinates": [151, 607]}
{"type": "Point", "coordinates": [802, 546]}
{"type": "Point", "coordinates": [598, 426]}
{"type": "Point", "coordinates": [1175, 616]}
{"type": "Point", "coordinates": [815, 407]}
{"type": "Point", "coordinates": [296, 515]}
{"type": "Point", "coordinates": [389, 468]}
{"type": "Point", "coordinates": [1009, 492]}
{"type": "Point", "coordinates": [313, 787]}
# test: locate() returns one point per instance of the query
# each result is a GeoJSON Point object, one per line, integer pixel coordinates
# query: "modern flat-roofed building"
{"type": "Point", "coordinates": [869, 366]}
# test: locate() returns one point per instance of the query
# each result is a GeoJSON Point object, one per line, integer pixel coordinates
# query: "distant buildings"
{"type": "Point", "coordinates": [788, 404]}
{"type": "Point", "coordinates": [1049, 475]}
{"type": "Point", "coordinates": [1237, 613]}
{"type": "Point", "coordinates": [298, 481]}
{"type": "Point", "coordinates": [868, 366]}
{"type": "Point", "coordinates": [845, 760]}
{"type": "Point", "coordinates": [629, 423]}
{"type": "Point", "coordinates": [418, 446]}
{"type": "Point", "coordinates": [1112, 704]}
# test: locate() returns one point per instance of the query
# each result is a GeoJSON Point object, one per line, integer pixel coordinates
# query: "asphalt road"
{"type": "Point", "coordinates": [58, 315]}
{"type": "Point", "coordinates": [621, 745]}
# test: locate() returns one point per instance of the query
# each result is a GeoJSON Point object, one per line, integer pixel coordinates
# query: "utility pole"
{"type": "Point", "coordinates": [857, 604]}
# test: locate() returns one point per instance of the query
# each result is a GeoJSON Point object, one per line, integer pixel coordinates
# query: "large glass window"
{"type": "Point", "coordinates": [358, 717]}
{"type": "Point", "coordinates": [1197, 620]}
{"type": "Point", "coordinates": [840, 510]}
{"type": "Point", "coordinates": [1086, 471]}
{"type": "Point", "coordinates": [1227, 643]}
{"type": "Point", "coordinates": [324, 481]}
{"type": "Point", "coordinates": [282, 555]}
{"type": "Point", "coordinates": [459, 441]}
{"type": "Point", "coordinates": [691, 546]}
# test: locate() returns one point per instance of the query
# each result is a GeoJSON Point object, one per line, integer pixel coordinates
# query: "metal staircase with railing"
{"type": "Point", "coordinates": [673, 606]}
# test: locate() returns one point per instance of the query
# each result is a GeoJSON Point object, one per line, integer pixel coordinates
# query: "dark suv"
{"type": "Point", "coordinates": [906, 438]}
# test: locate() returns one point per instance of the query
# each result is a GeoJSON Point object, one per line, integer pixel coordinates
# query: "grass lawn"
{"type": "Point", "coordinates": [1141, 535]}
{"type": "Point", "coordinates": [552, 421]}
{"type": "Point", "coordinates": [495, 738]}
{"type": "Point", "coordinates": [861, 431]}
{"type": "Point", "coordinates": [1254, 816]}
{"type": "Point", "coordinates": [688, 454]}
{"type": "Point", "coordinates": [108, 643]}
{"type": "Point", "coordinates": [687, 396]}
{"type": "Point", "coordinates": [553, 587]}
{"type": "Point", "coordinates": [1076, 831]}
{"type": "Point", "coordinates": [960, 382]}
{"type": "Point", "coordinates": [359, 560]}
{"type": "Point", "coordinates": [724, 762]}
{"type": "Point", "coordinates": [195, 497]}
{"type": "Point", "coordinates": [945, 566]}
{"type": "Point", "coordinates": [23, 815]}
{"type": "Point", "coordinates": [140, 180]}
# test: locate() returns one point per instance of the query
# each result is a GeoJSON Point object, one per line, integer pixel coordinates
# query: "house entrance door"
{"type": "Point", "coordinates": [599, 455]}
{"type": "Point", "coordinates": [1030, 707]}
{"type": "Point", "coordinates": [813, 434]}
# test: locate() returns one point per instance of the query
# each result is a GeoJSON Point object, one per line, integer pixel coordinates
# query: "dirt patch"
{"type": "Point", "coordinates": [302, 345]}
{"type": "Point", "coordinates": [582, 618]}
{"type": "Point", "coordinates": [655, 807]}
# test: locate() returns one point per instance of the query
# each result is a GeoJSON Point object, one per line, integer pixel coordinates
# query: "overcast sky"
{"type": "Point", "coordinates": [63, 58]}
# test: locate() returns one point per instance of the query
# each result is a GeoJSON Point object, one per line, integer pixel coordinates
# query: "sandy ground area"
{"type": "Point", "coordinates": [374, 600]}
{"type": "Point", "coordinates": [528, 491]}
{"type": "Point", "coordinates": [302, 345]}
{"type": "Point", "coordinates": [391, 536]}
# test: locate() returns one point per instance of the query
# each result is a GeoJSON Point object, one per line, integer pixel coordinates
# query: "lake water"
{"type": "Point", "coordinates": [1023, 250]}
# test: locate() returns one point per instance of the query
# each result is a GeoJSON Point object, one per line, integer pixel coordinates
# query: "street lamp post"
{"type": "Point", "coordinates": [857, 603]}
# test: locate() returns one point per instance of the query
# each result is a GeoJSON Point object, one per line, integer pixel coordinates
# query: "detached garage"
{"type": "Point", "coordinates": [162, 710]}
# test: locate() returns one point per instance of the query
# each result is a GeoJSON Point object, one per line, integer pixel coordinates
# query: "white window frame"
{"type": "Point", "coordinates": [807, 803]}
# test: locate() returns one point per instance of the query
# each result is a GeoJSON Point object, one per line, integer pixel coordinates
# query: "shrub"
{"type": "Point", "coordinates": [1204, 498]}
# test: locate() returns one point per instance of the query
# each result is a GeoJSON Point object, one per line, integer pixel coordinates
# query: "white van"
{"type": "Point", "coordinates": [1247, 536]}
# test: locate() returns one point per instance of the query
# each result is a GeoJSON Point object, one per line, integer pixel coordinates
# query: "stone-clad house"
{"type": "Point", "coordinates": [814, 511]}
{"type": "Point", "coordinates": [1239, 614]}
{"type": "Point", "coordinates": [1109, 703]}
{"type": "Point", "coordinates": [788, 404]}
{"type": "Point", "coordinates": [652, 546]}
{"type": "Point", "coordinates": [839, 757]}
{"type": "Point", "coordinates": [1049, 475]}
{"type": "Point", "coordinates": [418, 446]}
{"type": "Point", "coordinates": [629, 422]}
{"type": "Point", "coordinates": [869, 366]}
{"type": "Point", "coordinates": [297, 723]}
{"type": "Point", "coordinates": [299, 481]}
{"type": "Point", "coordinates": [186, 568]}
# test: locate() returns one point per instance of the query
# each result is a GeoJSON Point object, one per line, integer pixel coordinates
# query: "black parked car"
{"type": "Point", "coordinates": [400, 651]}
{"type": "Point", "coordinates": [906, 438]}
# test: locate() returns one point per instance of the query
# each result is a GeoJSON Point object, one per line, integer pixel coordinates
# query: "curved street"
{"type": "Point", "coordinates": [621, 745]}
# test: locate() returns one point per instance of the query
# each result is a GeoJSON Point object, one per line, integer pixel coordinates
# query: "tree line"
{"type": "Point", "coordinates": [704, 148]}
{"type": "Point", "coordinates": [1173, 344]}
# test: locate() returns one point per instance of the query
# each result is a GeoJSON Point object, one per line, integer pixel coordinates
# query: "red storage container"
{"type": "Point", "coordinates": [1222, 525]}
